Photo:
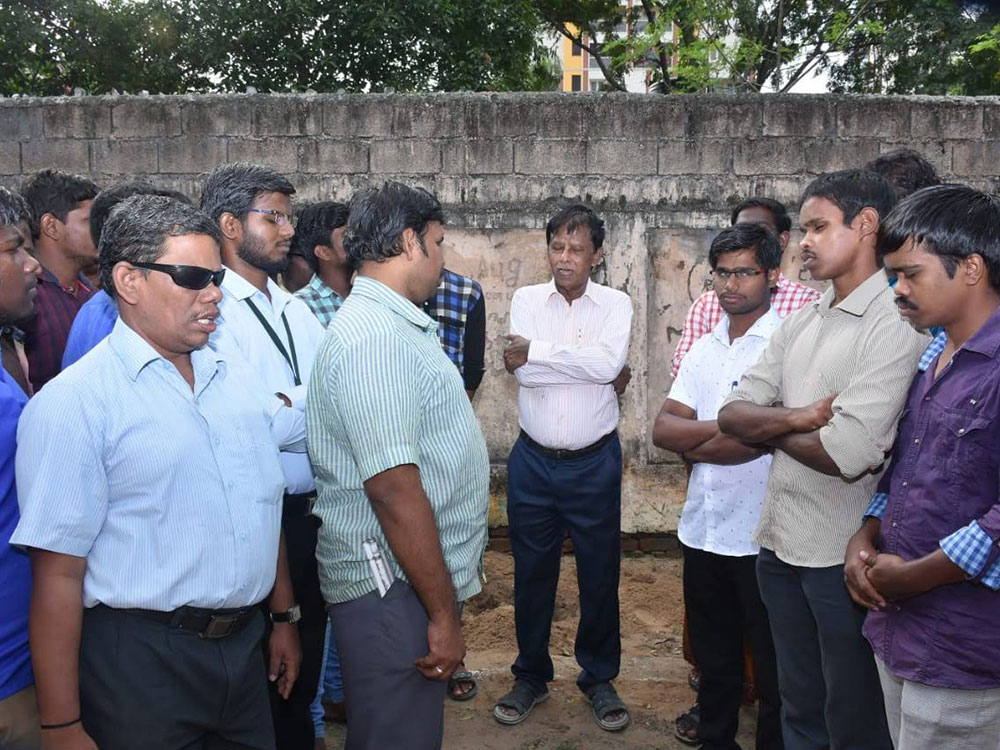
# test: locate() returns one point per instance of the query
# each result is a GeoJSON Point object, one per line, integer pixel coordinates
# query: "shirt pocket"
{"type": "Point", "coordinates": [968, 440]}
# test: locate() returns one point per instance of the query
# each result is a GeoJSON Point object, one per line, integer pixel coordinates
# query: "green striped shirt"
{"type": "Point", "coordinates": [384, 394]}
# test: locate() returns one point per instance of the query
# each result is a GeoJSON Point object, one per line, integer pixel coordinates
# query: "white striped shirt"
{"type": "Point", "coordinates": [865, 352]}
{"type": "Point", "coordinates": [566, 400]}
{"type": "Point", "coordinates": [172, 495]}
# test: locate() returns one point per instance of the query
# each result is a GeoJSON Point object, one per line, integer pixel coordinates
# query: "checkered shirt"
{"type": "Point", "coordinates": [969, 547]}
{"type": "Point", "coordinates": [450, 307]}
{"type": "Point", "coordinates": [706, 312]}
{"type": "Point", "coordinates": [321, 299]}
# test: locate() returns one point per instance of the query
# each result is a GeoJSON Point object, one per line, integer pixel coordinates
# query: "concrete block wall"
{"type": "Point", "coordinates": [663, 171]}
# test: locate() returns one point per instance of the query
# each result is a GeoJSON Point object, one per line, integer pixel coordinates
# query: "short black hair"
{"type": "Point", "coordinates": [851, 190]}
{"type": "Point", "coordinates": [573, 217]}
{"type": "Point", "coordinates": [782, 221]}
{"type": "Point", "coordinates": [13, 208]}
{"type": "Point", "coordinates": [746, 236]}
{"type": "Point", "coordinates": [138, 227]}
{"type": "Point", "coordinates": [51, 191]}
{"type": "Point", "coordinates": [906, 170]}
{"type": "Point", "coordinates": [315, 222]}
{"type": "Point", "coordinates": [234, 187]}
{"type": "Point", "coordinates": [951, 221]}
{"type": "Point", "coordinates": [380, 215]}
{"type": "Point", "coordinates": [112, 195]}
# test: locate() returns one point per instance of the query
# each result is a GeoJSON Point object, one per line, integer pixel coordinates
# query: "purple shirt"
{"type": "Point", "coordinates": [945, 476]}
{"type": "Point", "coordinates": [46, 333]}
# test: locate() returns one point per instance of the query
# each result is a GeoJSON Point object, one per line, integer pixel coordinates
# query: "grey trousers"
{"type": "Point", "coordinates": [922, 717]}
{"type": "Point", "coordinates": [145, 686]}
{"type": "Point", "coordinates": [19, 721]}
{"type": "Point", "coordinates": [390, 704]}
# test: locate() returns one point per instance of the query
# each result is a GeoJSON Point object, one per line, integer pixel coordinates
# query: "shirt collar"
{"type": "Point", "coordinates": [135, 353]}
{"type": "Point", "coordinates": [366, 286]}
{"type": "Point", "coordinates": [858, 301]}
{"type": "Point", "coordinates": [590, 291]}
{"type": "Point", "coordinates": [322, 288]}
{"type": "Point", "coordinates": [986, 340]}
{"type": "Point", "coordinates": [49, 277]}
{"type": "Point", "coordinates": [242, 289]}
{"type": "Point", "coordinates": [762, 328]}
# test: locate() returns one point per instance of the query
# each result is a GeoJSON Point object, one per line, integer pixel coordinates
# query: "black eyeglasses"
{"type": "Point", "coordinates": [189, 277]}
{"type": "Point", "coordinates": [723, 275]}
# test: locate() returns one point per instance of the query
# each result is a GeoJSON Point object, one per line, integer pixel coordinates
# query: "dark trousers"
{"type": "Point", "coordinates": [830, 692]}
{"type": "Point", "coordinates": [390, 704]}
{"type": "Point", "coordinates": [723, 606]}
{"type": "Point", "coordinates": [293, 724]}
{"type": "Point", "coordinates": [146, 685]}
{"type": "Point", "coordinates": [546, 497]}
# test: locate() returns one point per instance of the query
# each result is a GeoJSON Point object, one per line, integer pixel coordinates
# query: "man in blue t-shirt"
{"type": "Point", "coordinates": [19, 273]}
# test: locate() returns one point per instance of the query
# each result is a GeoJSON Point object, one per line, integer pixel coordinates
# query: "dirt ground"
{"type": "Point", "coordinates": [653, 679]}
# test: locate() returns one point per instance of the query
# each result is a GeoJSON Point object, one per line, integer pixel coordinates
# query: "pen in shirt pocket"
{"type": "Point", "coordinates": [733, 386]}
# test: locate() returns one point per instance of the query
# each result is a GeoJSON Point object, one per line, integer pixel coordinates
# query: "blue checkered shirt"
{"type": "Point", "coordinates": [969, 547]}
{"type": "Point", "coordinates": [450, 307]}
{"type": "Point", "coordinates": [321, 299]}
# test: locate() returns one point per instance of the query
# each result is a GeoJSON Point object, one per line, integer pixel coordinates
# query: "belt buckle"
{"type": "Point", "coordinates": [219, 626]}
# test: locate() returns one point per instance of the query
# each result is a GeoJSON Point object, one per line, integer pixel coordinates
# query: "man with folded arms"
{"type": "Point", "coordinates": [150, 491]}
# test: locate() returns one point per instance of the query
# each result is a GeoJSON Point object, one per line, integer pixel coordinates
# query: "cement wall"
{"type": "Point", "coordinates": [662, 170]}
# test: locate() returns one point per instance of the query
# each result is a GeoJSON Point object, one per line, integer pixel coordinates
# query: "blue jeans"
{"type": "Point", "coordinates": [331, 685]}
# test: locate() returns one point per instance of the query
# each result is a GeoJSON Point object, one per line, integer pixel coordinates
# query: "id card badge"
{"type": "Point", "coordinates": [381, 573]}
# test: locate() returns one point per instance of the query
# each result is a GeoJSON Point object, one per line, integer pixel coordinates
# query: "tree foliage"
{"type": "Point", "coordinates": [170, 46]}
{"type": "Point", "coordinates": [877, 46]}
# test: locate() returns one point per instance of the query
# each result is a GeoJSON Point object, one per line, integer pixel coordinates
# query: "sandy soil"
{"type": "Point", "coordinates": [653, 680]}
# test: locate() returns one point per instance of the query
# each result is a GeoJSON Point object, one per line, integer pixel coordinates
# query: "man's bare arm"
{"type": "Point", "coordinates": [753, 423]}
{"type": "Point", "coordinates": [677, 429]}
{"type": "Point", "coordinates": [807, 448]}
{"type": "Point", "coordinates": [407, 519]}
{"type": "Point", "coordinates": [56, 619]}
{"type": "Point", "coordinates": [284, 651]}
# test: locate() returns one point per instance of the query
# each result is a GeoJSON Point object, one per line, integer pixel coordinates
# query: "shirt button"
{"type": "Point", "coordinates": [217, 441]}
{"type": "Point", "coordinates": [231, 485]}
{"type": "Point", "coordinates": [972, 401]}
{"type": "Point", "coordinates": [243, 535]}
{"type": "Point", "coordinates": [927, 398]}
{"type": "Point", "coordinates": [893, 524]}
{"type": "Point", "coordinates": [916, 440]}
{"type": "Point", "coordinates": [906, 484]}
{"type": "Point", "coordinates": [961, 430]}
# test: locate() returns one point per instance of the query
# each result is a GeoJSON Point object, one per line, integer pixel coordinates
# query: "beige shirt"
{"type": "Point", "coordinates": [865, 352]}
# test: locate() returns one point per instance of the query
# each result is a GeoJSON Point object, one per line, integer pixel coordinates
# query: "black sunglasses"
{"type": "Point", "coordinates": [189, 277]}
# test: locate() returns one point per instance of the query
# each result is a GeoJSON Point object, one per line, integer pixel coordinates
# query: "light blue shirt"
{"type": "Point", "coordinates": [172, 495]}
{"type": "Point", "coordinates": [384, 394]}
{"type": "Point", "coordinates": [91, 325]}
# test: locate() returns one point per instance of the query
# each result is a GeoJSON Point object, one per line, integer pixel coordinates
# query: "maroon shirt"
{"type": "Point", "coordinates": [45, 335]}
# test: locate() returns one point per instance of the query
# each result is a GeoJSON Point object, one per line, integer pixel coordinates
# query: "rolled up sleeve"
{"type": "Point", "coordinates": [866, 411]}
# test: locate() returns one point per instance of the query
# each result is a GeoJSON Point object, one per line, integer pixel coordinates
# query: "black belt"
{"type": "Point", "coordinates": [300, 504]}
{"type": "Point", "coordinates": [205, 623]}
{"type": "Point", "coordinates": [562, 454]}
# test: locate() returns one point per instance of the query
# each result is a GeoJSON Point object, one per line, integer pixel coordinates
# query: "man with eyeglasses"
{"type": "Point", "coordinates": [150, 490]}
{"type": "Point", "coordinates": [725, 492]}
{"type": "Point", "coordinates": [277, 336]}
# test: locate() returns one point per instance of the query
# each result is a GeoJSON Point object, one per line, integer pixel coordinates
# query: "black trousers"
{"type": "Point", "coordinates": [723, 606]}
{"type": "Point", "coordinates": [293, 724]}
{"type": "Point", "coordinates": [547, 497]}
{"type": "Point", "coordinates": [146, 685]}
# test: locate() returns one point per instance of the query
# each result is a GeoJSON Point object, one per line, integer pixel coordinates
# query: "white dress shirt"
{"type": "Point", "coordinates": [172, 494]}
{"type": "Point", "coordinates": [723, 502]}
{"type": "Point", "coordinates": [566, 400]}
{"type": "Point", "coordinates": [240, 335]}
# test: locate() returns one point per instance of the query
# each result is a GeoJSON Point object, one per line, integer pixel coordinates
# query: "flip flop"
{"type": "Point", "coordinates": [523, 699]}
{"type": "Point", "coordinates": [686, 726]}
{"type": "Point", "coordinates": [463, 676]}
{"type": "Point", "coordinates": [603, 698]}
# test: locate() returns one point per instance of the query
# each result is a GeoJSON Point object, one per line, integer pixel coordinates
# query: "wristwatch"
{"type": "Point", "coordinates": [292, 616]}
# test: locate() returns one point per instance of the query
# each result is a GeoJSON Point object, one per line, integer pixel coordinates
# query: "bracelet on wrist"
{"type": "Point", "coordinates": [61, 726]}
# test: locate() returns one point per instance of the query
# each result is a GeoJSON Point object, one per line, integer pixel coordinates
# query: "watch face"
{"type": "Point", "coordinates": [295, 614]}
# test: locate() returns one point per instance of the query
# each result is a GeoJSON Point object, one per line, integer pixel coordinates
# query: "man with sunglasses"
{"type": "Point", "coordinates": [277, 336]}
{"type": "Point", "coordinates": [725, 492]}
{"type": "Point", "coordinates": [150, 489]}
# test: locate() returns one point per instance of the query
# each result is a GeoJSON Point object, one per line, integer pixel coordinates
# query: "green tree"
{"type": "Point", "coordinates": [170, 46]}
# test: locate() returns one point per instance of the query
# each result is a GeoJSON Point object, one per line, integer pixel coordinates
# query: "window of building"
{"type": "Point", "coordinates": [575, 83]}
{"type": "Point", "coordinates": [596, 85]}
{"type": "Point", "coordinates": [576, 51]}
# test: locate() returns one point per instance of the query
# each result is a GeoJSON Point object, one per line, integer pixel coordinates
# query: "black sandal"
{"type": "Point", "coordinates": [686, 726]}
{"type": "Point", "coordinates": [604, 700]}
{"type": "Point", "coordinates": [522, 699]}
{"type": "Point", "coordinates": [460, 677]}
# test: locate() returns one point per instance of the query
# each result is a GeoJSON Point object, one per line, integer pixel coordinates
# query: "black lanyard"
{"type": "Point", "coordinates": [292, 361]}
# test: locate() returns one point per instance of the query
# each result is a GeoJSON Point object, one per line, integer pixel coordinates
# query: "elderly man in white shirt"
{"type": "Point", "coordinates": [277, 336]}
{"type": "Point", "coordinates": [725, 495]}
{"type": "Point", "coordinates": [568, 343]}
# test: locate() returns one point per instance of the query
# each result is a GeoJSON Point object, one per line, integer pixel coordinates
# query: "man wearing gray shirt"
{"type": "Point", "coordinates": [826, 394]}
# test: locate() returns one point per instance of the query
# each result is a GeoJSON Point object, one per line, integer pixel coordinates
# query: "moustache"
{"type": "Point", "coordinates": [904, 304]}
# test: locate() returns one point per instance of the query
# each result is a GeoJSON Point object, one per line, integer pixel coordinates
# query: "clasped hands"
{"type": "Point", "coordinates": [876, 578]}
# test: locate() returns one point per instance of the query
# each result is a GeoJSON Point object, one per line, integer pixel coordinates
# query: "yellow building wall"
{"type": "Point", "coordinates": [573, 65]}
